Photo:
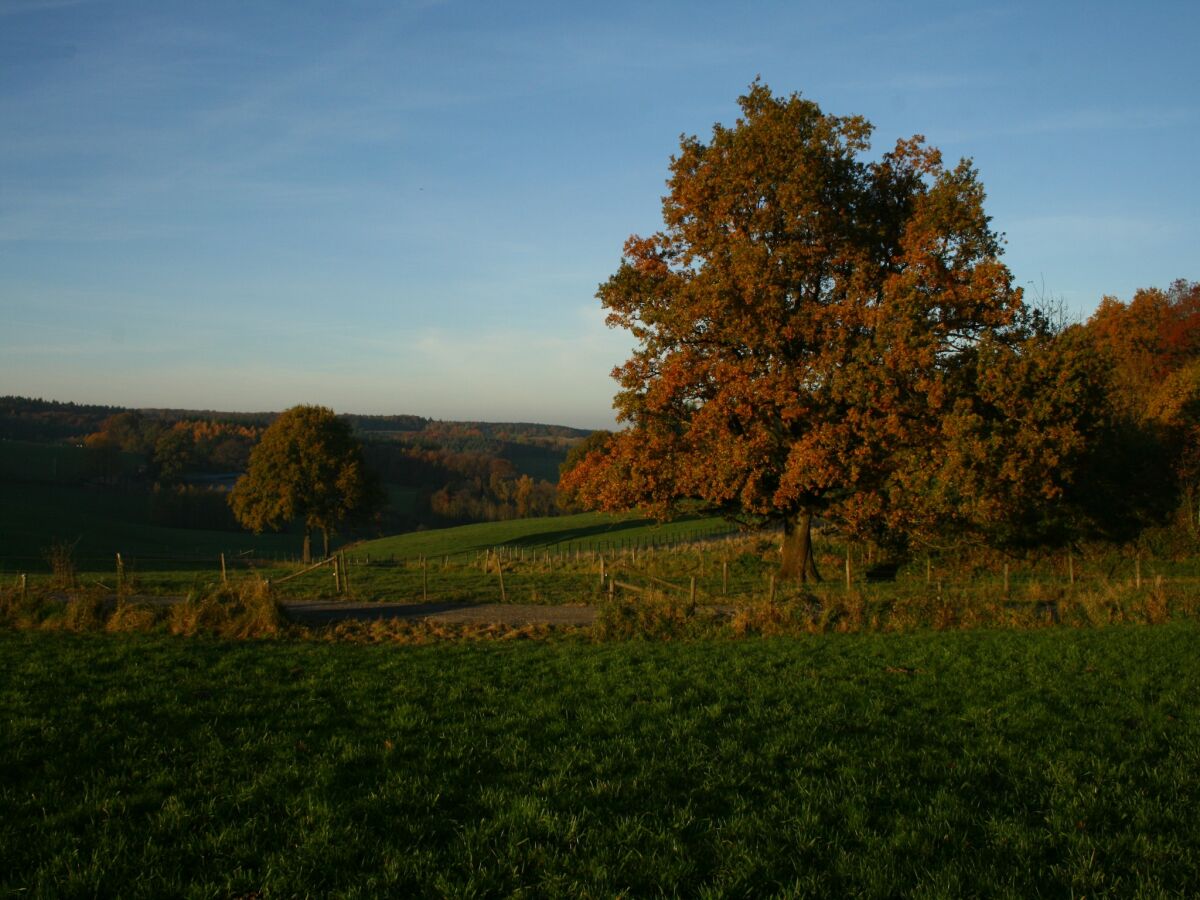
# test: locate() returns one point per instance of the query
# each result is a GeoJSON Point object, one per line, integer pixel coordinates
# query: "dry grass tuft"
{"type": "Point", "coordinates": [131, 616]}
{"type": "Point", "coordinates": [86, 612]}
{"type": "Point", "coordinates": [802, 615]}
{"type": "Point", "coordinates": [60, 556]}
{"type": "Point", "coordinates": [652, 616]}
{"type": "Point", "coordinates": [247, 610]}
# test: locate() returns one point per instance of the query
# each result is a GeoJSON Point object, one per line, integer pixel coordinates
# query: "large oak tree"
{"type": "Point", "coordinates": [307, 467]}
{"type": "Point", "coordinates": [820, 334]}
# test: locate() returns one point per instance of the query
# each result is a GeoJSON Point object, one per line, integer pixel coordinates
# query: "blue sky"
{"type": "Point", "coordinates": [407, 207]}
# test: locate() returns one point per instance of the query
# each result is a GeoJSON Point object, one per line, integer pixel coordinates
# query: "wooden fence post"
{"type": "Point", "coordinates": [1071, 567]}
{"type": "Point", "coordinates": [345, 567]}
{"type": "Point", "coordinates": [1006, 592]}
{"type": "Point", "coordinates": [771, 590]}
{"type": "Point", "coordinates": [24, 587]}
{"type": "Point", "coordinates": [424, 580]}
{"type": "Point", "coordinates": [120, 573]}
{"type": "Point", "coordinates": [725, 578]}
{"type": "Point", "coordinates": [337, 578]}
{"type": "Point", "coordinates": [692, 591]}
{"type": "Point", "coordinates": [1137, 572]}
{"type": "Point", "coordinates": [224, 580]}
{"type": "Point", "coordinates": [849, 570]}
{"type": "Point", "coordinates": [500, 572]}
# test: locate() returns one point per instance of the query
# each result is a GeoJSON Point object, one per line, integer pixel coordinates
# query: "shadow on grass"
{"type": "Point", "coordinates": [603, 530]}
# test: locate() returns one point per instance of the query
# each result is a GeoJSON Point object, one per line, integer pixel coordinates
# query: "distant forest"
{"type": "Point", "coordinates": [436, 472]}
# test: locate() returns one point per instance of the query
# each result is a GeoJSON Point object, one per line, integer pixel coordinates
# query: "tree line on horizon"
{"type": "Point", "coordinates": [446, 472]}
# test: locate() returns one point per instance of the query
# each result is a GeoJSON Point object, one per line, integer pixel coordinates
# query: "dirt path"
{"type": "Point", "coordinates": [311, 612]}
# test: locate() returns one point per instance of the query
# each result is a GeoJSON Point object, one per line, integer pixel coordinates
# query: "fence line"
{"type": "Point", "coordinates": [713, 565]}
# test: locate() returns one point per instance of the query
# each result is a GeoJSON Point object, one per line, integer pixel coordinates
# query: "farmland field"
{"type": "Point", "coordinates": [998, 763]}
{"type": "Point", "coordinates": [174, 560]}
{"type": "Point", "coordinates": [100, 523]}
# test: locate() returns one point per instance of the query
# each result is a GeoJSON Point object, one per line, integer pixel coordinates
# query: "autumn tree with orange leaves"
{"type": "Point", "coordinates": [822, 335]}
{"type": "Point", "coordinates": [1151, 350]}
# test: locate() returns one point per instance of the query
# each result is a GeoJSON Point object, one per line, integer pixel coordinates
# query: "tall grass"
{"type": "Point", "coordinates": [244, 610]}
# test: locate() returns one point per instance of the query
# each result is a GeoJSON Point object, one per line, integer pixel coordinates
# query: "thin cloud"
{"type": "Point", "coordinates": [29, 7]}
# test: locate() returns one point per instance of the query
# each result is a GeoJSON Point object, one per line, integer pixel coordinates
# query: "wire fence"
{"type": "Point", "coordinates": [560, 550]}
{"type": "Point", "coordinates": [707, 567]}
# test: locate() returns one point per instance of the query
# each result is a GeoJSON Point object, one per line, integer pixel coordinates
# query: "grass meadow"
{"type": "Point", "coordinates": [1001, 763]}
{"type": "Point", "coordinates": [100, 523]}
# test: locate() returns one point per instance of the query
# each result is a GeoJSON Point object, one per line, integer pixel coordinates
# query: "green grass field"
{"type": "Point", "coordinates": [101, 523]}
{"type": "Point", "coordinates": [583, 531]}
{"type": "Point", "coordinates": [58, 463]}
{"type": "Point", "coordinates": [546, 560]}
{"type": "Point", "coordinates": [1011, 764]}
{"type": "Point", "coordinates": [173, 560]}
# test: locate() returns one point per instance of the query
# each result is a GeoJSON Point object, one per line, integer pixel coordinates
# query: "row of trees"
{"type": "Point", "coordinates": [824, 335]}
{"type": "Point", "coordinates": [453, 485]}
{"type": "Point", "coordinates": [497, 500]}
{"type": "Point", "coordinates": [1150, 348]}
{"type": "Point", "coordinates": [172, 448]}
{"type": "Point", "coordinates": [34, 419]}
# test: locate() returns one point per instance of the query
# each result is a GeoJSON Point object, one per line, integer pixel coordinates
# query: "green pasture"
{"type": "Point", "coordinates": [101, 522]}
{"type": "Point", "coordinates": [1000, 764]}
{"type": "Point", "coordinates": [559, 560]}
{"type": "Point", "coordinates": [547, 560]}
{"type": "Point", "coordinates": [560, 534]}
{"type": "Point", "coordinates": [59, 463]}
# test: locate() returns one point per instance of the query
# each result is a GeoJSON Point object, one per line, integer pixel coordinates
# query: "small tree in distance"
{"type": "Point", "coordinates": [819, 335]}
{"type": "Point", "coordinates": [308, 466]}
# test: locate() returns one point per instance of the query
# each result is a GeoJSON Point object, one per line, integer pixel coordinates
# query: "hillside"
{"type": "Point", "coordinates": [172, 465]}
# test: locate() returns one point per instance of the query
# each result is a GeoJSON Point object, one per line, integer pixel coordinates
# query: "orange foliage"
{"type": "Point", "coordinates": [820, 334]}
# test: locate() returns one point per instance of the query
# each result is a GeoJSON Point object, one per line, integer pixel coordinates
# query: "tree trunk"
{"type": "Point", "coordinates": [307, 557]}
{"type": "Point", "coordinates": [325, 538]}
{"type": "Point", "coordinates": [798, 560]}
